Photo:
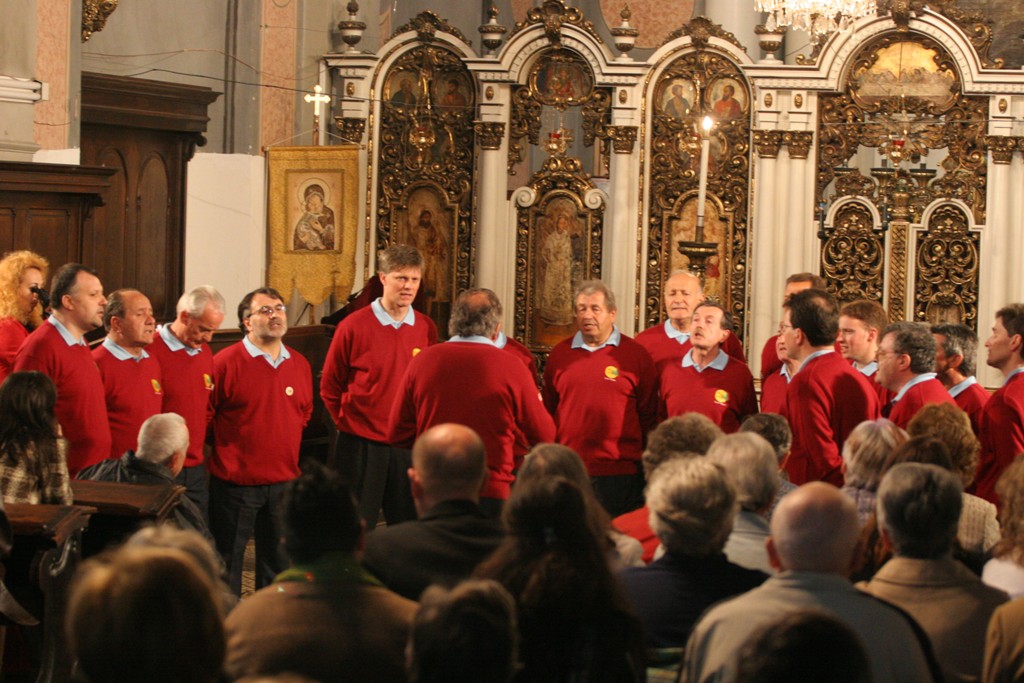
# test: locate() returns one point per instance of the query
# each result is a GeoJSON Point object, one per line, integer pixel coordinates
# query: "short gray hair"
{"type": "Point", "coordinates": [959, 340]}
{"type": "Point", "coordinates": [115, 305]}
{"type": "Point", "coordinates": [195, 301]}
{"type": "Point", "coordinates": [591, 287]}
{"type": "Point", "coordinates": [477, 312]}
{"type": "Point", "coordinates": [867, 449]}
{"type": "Point", "coordinates": [692, 506]}
{"type": "Point", "coordinates": [750, 463]}
{"type": "Point", "coordinates": [915, 340]}
{"type": "Point", "coordinates": [161, 436]}
{"type": "Point", "coordinates": [919, 508]}
{"type": "Point", "coordinates": [399, 257]}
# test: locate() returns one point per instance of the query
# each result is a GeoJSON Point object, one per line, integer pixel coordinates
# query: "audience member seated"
{"type": "Point", "coordinates": [775, 430]}
{"type": "Point", "coordinates": [1005, 570]}
{"type": "Point", "coordinates": [163, 445]}
{"type": "Point", "coordinates": [574, 622]}
{"type": "Point", "coordinates": [551, 459]}
{"type": "Point", "coordinates": [979, 526]}
{"type": "Point", "coordinates": [325, 617]}
{"type": "Point", "coordinates": [146, 615]}
{"type": "Point", "coordinates": [452, 534]}
{"type": "Point", "coordinates": [691, 434]}
{"type": "Point", "coordinates": [1004, 645]}
{"type": "Point", "coordinates": [864, 455]}
{"type": "Point", "coordinates": [918, 511]}
{"type": "Point", "coordinates": [693, 506]}
{"type": "Point", "coordinates": [749, 463]}
{"type": "Point", "coordinates": [464, 634]}
{"type": "Point", "coordinates": [813, 544]}
{"type": "Point", "coordinates": [808, 645]}
{"type": "Point", "coordinates": [33, 468]}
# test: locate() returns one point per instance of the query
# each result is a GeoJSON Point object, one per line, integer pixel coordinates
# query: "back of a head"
{"type": "Point", "coordinates": [807, 645]}
{"type": "Point", "coordinates": [548, 512]}
{"type": "Point", "coordinates": [687, 433]}
{"type": "Point", "coordinates": [476, 313]}
{"type": "Point", "coordinates": [867, 450]}
{"type": "Point", "coordinates": [552, 459]}
{"type": "Point", "coordinates": [320, 515]}
{"type": "Point", "coordinates": [1010, 489]}
{"type": "Point", "coordinates": [751, 466]}
{"type": "Point", "coordinates": [468, 633]}
{"type": "Point", "coordinates": [774, 429]}
{"type": "Point", "coordinates": [146, 615]}
{"type": "Point", "coordinates": [692, 506]}
{"type": "Point", "coordinates": [816, 528]}
{"type": "Point", "coordinates": [451, 462]}
{"type": "Point", "coordinates": [161, 436]}
{"type": "Point", "coordinates": [919, 508]}
{"type": "Point", "coordinates": [950, 425]}
{"type": "Point", "coordinates": [816, 314]}
{"type": "Point", "coordinates": [27, 401]}
{"type": "Point", "coordinates": [923, 449]}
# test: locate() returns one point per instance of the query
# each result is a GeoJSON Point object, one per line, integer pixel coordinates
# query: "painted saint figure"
{"type": "Point", "coordinates": [314, 231]}
{"type": "Point", "coordinates": [728, 107]}
{"type": "Point", "coordinates": [677, 106]}
{"type": "Point", "coordinates": [556, 256]}
{"type": "Point", "coordinates": [430, 239]}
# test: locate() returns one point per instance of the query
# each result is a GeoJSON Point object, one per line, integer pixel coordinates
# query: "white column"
{"type": "Point", "coordinates": [767, 244]}
{"type": "Point", "coordinates": [620, 246]}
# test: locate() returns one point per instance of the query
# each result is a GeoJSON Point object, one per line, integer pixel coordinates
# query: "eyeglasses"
{"type": "Point", "coordinates": [268, 311]}
{"type": "Point", "coordinates": [783, 327]}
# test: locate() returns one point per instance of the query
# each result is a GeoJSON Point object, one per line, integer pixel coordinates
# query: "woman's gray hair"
{"type": "Point", "coordinates": [750, 463]}
{"type": "Point", "coordinates": [692, 506]}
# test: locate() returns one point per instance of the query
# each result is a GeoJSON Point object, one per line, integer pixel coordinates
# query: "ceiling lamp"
{"type": "Point", "coordinates": [817, 17]}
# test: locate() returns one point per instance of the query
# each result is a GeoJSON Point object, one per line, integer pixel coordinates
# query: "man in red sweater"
{"type": "Point", "coordinates": [602, 388]}
{"type": "Point", "coordinates": [1002, 422]}
{"type": "Point", "coordinates": [186, 363]}
{"type": "Point", "coordinates": [860, 329]}
{"type": "Point", "coordinates": [262, 400]}
{"type": "Point", "coordinates": [364, 367]}
{"type": "Point", "coordinates": [796, 282]}
{"type": "Point", "coordinates": [132, 379]}
{"type": "Point", "coordinates": [826, 398]}
{"type": "Point", "coordinates": [906, 367]}
{"type": "Point", "coordinates": [956, 352]}
{"type": "Point", "coordinates": [469, 381]}
{"type": "Point", "coordinates": [708, 381]}
{"type": "Point", "coordinates": [58, 349]}
{"type": "Point", "coordinates": [668, 343]}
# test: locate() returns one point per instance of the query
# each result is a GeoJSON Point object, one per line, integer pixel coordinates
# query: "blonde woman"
{"type": "Point", "coordinates": [865, 453]}
{"type": "Point", "coordinates": [21, 272]}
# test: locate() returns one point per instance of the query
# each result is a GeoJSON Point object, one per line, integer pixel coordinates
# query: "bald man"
{"type": "Point", "coordinates": [669, 342]}
{"type": "Point", "coordinates": [452, 534]}
{"type": "Point", "coordinates": [813, 545]}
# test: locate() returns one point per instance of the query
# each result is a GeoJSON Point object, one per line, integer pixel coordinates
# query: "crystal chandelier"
{"type": "Point", "coordinates": [817, 17]}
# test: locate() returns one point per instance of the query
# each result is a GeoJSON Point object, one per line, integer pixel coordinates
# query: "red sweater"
{"type": "Point", "coordinates": [12, 335]}
{"type": "Point", "coordinates": [258, 416]}
{"type": "Point", "coordinates": [134, 393]}
{"type": "Point", "coordinates": [477, 385]}
{"type": "Point", "coordinates": [773, 393]}
{"type": "Point", "coordinates": [1002, 435]}
{"type": "Point", "coordinates": [364, 368]}
{"type": "Point", "coordinates": [917, 397]}
{"type": "Point", "coordinates": [81, 408]}
{"type": "Point", "coordinates": [604, 403]}
{"type": "Point", "coordinates": [726, 397]}
{"type": "Point", "coordinates": [637, 524]}
{"type": "Point", "coordinates": [188, 385]}
{"type": "Point", "coordinates": [665, 350]}
{"type": "Point", "coordinates": [523, 354]}
{"type": "Point", "coordinates": [826, 399]}
{"type": "Point", "coordinates": [972, 401]}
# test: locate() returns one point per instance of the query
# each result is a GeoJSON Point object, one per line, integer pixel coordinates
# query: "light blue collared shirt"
{"type": "Point", "coordinates": [385, 319]}
{"type": "Point", "coordinates": [673, 333]}
{"type": "Point", "coordinates": [501, 341]}
{"type": "Point", "coordinates": [785, 373]}
{"type": "Point", "coordinates": [958, 389]}
{"type": "Point", "coordinates": [814, 355]}
{"type": "Point", "coordinates": [1015, 371]}
{"type": "Point", "coordinates": [473, 339]}
{"type": "Point", "coordinates": [613, 340]}
{"type": "Point", "coordinates": [119, 352]}
{"type": "Point", "coordinates": [255, 352]}
{"type": "Point", "coordinates": [719, 362]}
{"type": "Point", "coordinates": [923, 377]}
{"type": "Point", "coordinates": [66, 335]}
{"type": "Point", "coordinates": [868, 369]}
{"type": "Point", "coordinates": [173, 343]}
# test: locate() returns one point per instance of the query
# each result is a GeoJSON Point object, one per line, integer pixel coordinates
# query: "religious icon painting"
{"type": "Point", "coordinates": [726, 99]}
{"type": "Point", "coordinates": [452, 93]}
{"type": "Point", "coordinates": [561, 78]}
{"type": "Point", "coordinates": [426, 220]}
{"type": "Point", "coordinates": [676, 97]}
{"type": "Point", "coordinates": [403, 89]}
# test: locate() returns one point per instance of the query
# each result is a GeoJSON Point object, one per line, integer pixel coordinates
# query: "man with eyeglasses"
{"type": "Point", "coordinates": [262, 399]}
{"type": "Point", "coordinates": [906, 367]}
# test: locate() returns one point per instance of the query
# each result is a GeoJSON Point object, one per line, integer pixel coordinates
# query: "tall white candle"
{"type": "Point", "coordinates": [705, 149]}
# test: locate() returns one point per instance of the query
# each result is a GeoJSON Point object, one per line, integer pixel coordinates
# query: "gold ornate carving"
{"type": "Point", "coordinates": [94, 16]}
{"type": "Point", "coordinates": [853, 254]}
{"type": "Point", "coordinates": [975, 25]}
{"type": "Point", "coordinates": [898, 270]}
{"type": "Point", "coordinates": [426, 150]}
{"type": "Point", "coordinates": [553, 14]}
{"type": "Point", "coordinates": [350, 129]}
{"type": "Point", "coordinates": [768, 143]}
{"type": "Point", "coordinates": [1002, 147]}
{"type": "Point", "coordinates": [768, 99]}
{"type": "Point", "coordinates": [673, 177]}
{"type": "Point", "coordinates": [426, 24]}
{"type": "Point", "coordinates": [798, 101]}
{"type": "Point", "coordinates": [700, 31]}
{"type": "Point", "coordinates": [798, 143]}
{"type": "Point", "coordinates": [558, 245]}
{"type": "Point", "coordinates": [489, 133]}
{"type": "Point", "coordinates": [623, 138]}
{"type": "Point", "coordinates": [623, 96]}
{"type": "Point", "coordinates": [1003, 105]}
{"type": "Point", "coordinates": [946, 278]}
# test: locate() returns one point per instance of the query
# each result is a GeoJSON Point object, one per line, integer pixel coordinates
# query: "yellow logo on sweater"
{"type": "Point", "coordinates": [721, 396]}
{"type": "Point", "coordinates": [207, 382]}
{"type": "Point", "coordinates": [611, 372]}
{"type": "Point", "coordinates": [416, 351]}
{"type": "Point", "coordinates": [156, 387]}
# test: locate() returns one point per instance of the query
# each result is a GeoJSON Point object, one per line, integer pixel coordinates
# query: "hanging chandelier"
{"type": "Point", "coordinates": [817, 17]}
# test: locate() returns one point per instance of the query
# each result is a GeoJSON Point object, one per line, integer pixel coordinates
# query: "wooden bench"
{"type": "Point", "coordinates": [122, 508]}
